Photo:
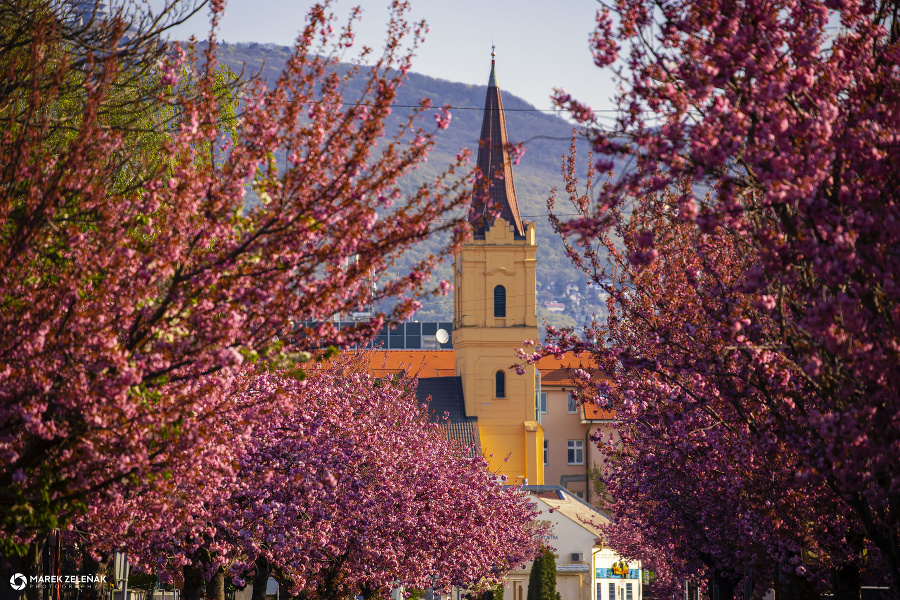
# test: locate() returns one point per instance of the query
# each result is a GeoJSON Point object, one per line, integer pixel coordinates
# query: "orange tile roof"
{"type": "Point", "coordinates": [442, 363]}
{"type": "Point", "coordinates": [559, 371]}
{"type": "Point", "coordinates": [424, 363]}
{"type": "Point", "coordinates": [592, 412]}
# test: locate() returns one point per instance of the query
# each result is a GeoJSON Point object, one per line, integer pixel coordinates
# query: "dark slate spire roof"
{"type": "Point", "coordinates": [494, 162]}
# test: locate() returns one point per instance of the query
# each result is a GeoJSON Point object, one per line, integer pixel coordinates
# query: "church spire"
{"type": "Point", "coordinates": [494, 163]}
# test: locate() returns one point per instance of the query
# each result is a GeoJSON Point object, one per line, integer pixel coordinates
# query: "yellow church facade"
{"type": "Point", "coordinates": [495, 310]}
{"type": "Point", "coordinates": [494, 313]}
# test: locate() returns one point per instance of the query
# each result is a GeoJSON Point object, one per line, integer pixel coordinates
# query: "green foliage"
{"type": "Point", "coordinates": [603, 500]}
{"type": "Point", "coordinates": [79, 78]}
{"type": "Point", "coordinates": [556, 319]}
{"type": "Point", "coordinates": [415, 594]}
{"type": "Point", "coordinates": [142, 581]}
{"type": "Point", "coordinates": [498, 592]}
{"type": "Point", "coordinates": [542, 581]}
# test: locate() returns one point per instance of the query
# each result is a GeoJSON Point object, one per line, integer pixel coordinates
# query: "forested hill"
{"type": "Point", "coordinates": [546, 138]}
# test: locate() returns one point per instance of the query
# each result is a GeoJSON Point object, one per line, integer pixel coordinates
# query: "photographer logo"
{"type": "Point", "coordinates": [18, 581]}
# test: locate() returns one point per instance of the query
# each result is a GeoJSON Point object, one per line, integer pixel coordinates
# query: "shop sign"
{"type": "Point", "coordinates": [576, 568]}
{"type": "Point", "coordinates": [617, 573]}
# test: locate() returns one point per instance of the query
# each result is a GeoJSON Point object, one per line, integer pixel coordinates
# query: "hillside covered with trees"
{"type": "Point", "coordinates": [546, 137]}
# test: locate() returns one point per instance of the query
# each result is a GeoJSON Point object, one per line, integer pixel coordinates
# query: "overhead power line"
{"type": "Point", "coordinates": [541, 110]}
{"type": "Point", "coordinates": [550, 110]}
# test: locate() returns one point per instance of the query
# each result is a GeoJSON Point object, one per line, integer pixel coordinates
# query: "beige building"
{"type": "Point", "coordinates": [569, 452]}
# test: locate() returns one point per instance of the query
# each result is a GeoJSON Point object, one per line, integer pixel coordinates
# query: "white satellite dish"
{"type": "Point", "coordinates": [441, 336]}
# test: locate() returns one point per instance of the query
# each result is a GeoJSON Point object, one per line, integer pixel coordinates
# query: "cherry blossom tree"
{"type": "Point", "coordinates": [343, 488]}
{"type": "Point", "coordinates": [788, 111]}
{"type": "Point", "coordinates": [136, 277]}
{"type": "Point", "coordinates": [704, 477]}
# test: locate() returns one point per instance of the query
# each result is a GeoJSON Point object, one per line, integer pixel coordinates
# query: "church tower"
{"type": "Point", "coordinates": [495, 309]}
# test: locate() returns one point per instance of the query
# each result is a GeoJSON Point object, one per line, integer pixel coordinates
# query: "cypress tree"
{"type": "Point", "coordinates": [542, 581]}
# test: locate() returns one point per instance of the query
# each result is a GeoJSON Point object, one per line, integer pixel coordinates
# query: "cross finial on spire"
{"type": "Point", "coordinates": [492, 81]}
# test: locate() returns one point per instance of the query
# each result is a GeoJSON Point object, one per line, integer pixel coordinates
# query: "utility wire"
{"type": "Point", "coordinates": [435, 106]}
{"type": "Point", "coordinates": [559, 111]}
{"type": "Point", "coordinates": [549, 110]}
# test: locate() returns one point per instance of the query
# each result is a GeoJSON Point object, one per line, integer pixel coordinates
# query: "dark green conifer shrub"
{"type": "Point", "coordinates": [542, 581]}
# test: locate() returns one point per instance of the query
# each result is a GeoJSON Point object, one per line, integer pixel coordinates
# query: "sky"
{"type": "Point", "coordinates": [540, 44]}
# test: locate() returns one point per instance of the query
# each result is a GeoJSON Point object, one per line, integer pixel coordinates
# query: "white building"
{"type": "Point", "coordinates": [585, 570]}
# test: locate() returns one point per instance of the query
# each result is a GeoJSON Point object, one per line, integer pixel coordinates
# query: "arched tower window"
{"type": "Point", "coordinates": [500, 384]}
{"type": "Point", "coordinates": [500, 302]}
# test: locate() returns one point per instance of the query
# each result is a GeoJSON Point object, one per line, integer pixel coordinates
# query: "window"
{"type": "Point", "coordinates": [546, 452]}
{"type": "Point", "coordinates": [571, 404]}
{"type": "Point", "coordinates": [612, 591]}
{"type": "Point", "coordinates": [578, 494]}
{"type": "Point", "coordinates": [576, 452]}
{"type": "Point", "coordinates": [628, 593]}
{"type": "Point", "coordinates": [500, 302]}
{"type": "Point", "coordinates": [500, 387]}
{"type": "Point", "coordinates": [543, 403]}
{"type": "Point", "coordinates": [599, 591]}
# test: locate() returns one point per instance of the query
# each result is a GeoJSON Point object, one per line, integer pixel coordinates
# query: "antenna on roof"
{"type": "Point", "coordinates": [442, 337]}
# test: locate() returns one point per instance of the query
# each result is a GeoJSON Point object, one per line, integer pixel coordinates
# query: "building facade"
{"type": "Point", "coordinates": [585, 568]}
{"type": "Point", "coordinates": [495, 309]}
{"type": "Point", "coordinates": [495, 314]}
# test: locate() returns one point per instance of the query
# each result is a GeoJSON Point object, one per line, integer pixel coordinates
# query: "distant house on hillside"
{"type": "Point", "coordinates": [554, 306]}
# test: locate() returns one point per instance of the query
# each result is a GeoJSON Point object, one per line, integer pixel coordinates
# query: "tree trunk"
{"type": "Point", "coordinates": [96, 570]}
{"type": "Point", "coordinates": [29, 565]}
{"type": "Point", "coordinates": [723, 586]}
{"type": "Point", "coordinates": [845, 582]}
{"type": "Point", "coordinates": [790, 586]}
{"type": "Point", "coordinates": [749, 585]}
{"type": "Point", "coordinates": [194, 581]}
{"type": "Point", "coordinates": [331, 576]}
{"type": "Point", "coordinates": [369, 593]}
{"type": "Point", "coordinates": [215, 587]}
{"type": "Point", "coordinates": [693, 590]}
{"type": "Point", "coordinates": [260, 578]}
{"type": "Point", "coordinates": [285, 583]}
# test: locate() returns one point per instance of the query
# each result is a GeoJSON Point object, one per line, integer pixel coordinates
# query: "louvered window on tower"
{"type": "Point", "coordinates": [501, 384]}
{"type": "Point", "coordinates": [500, 302]}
